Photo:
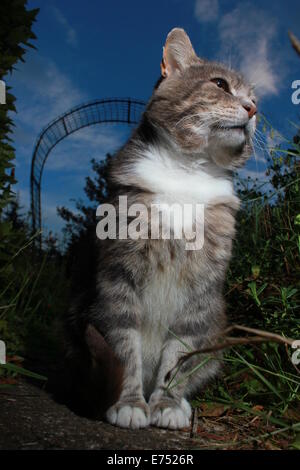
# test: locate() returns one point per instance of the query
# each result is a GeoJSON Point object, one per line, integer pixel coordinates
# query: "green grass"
{"type": "Point", "coordinates": [262, 291]}
{"type": "Point", "coordinates": [258, 383]}
{"type": "Point", "coordinates": [32, 301]}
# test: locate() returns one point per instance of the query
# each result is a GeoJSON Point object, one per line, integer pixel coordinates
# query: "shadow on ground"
{"type": "Point", "coordinates": [31, 419]}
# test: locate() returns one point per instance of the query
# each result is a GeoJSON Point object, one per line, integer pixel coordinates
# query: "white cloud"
{"type": "Point", "coordinates": [249, 33]}
{"type": "Point", "coordinates": [71, 35]}
{"type": "Point", "coordinates": [24, 198]}
{"type": "Point", "coordinates": [43, 92]}
{"type": "Point", "coordinates": [51, 91]}
{"type": "Point", "coordinates": [75, 153]}
{"type": "Point", "coordinates": [206, 10]}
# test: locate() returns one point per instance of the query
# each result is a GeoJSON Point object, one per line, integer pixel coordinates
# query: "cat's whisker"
{"type": "Point", "coordinates": [260, 134]}
{"type": "Point", "coordinates": [262, 145]}
{"type": "Point", "coordinates": [259, 144]}
{"type": "Point", "coordinates": [191, 116]}
{"type": "Point", "coordinates": [259, 138]}
{"type": "Point", "coordinates": [255, 158]}
{"type": "Point", "coordinates": [255, 145]}
{"type": "Point", "coordinates": [208, 117]}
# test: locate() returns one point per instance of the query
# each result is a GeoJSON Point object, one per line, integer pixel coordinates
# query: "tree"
{"type": "Point", "coordinates": [80, 229]}
{"type": "Point", "coordinates": [97, 190]}
{"type": "Point", "coordinates": [15, 35]}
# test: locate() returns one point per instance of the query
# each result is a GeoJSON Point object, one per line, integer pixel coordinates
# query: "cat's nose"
{"type": "Point", "coordinates": [250, 107]}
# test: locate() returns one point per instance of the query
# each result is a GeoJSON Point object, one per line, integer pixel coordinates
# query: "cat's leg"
{"type": "Point", "coordinates": [169, 408]}
{"type": "Point", "coordinates": [168, 404]}
{"type": "Point", "coordinates": [117, 312]}
{"type": "Point", "coordinates": [131, 410]}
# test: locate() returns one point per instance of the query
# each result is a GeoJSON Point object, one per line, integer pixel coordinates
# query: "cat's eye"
{"type": "Point", "coordinates": [221, 83]}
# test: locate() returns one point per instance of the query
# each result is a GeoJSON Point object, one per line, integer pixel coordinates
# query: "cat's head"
{"type": "Point", "coordinates": [204, 106]}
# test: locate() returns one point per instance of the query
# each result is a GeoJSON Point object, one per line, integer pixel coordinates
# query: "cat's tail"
{"type": "Point", "coordinates": [93, 376]}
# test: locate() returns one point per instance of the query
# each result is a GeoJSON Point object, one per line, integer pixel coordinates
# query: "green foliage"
{"type": "Point", "coordinates": [33, 297]}
{"type": "Point", "coordinates": [23, 291]}
{"type": "Point", "coordinates": [262, 291]}
{"type": "Point", "coordinates": [97, 190]}
{"type": "Point", "coordinates": [263, 279]}
{"type": "Point", "coordinates": [32, 300]}
{"type": "Point", "coordinates": [15, 35]}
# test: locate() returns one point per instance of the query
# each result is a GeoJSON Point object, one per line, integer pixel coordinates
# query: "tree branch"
{"type": "Point", "coordinates": [261, 336]}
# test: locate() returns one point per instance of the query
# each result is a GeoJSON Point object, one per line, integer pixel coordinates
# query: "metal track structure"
{"type": "Point", "coordinates": [111, 110]}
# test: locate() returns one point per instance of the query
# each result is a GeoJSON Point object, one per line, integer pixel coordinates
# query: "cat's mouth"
{"type": "Point", "coordinates": [238, 127]}
{"type": "Point", "coordinates": [236, 133]}
{"type": "Point", "coordinates": [231, 136]}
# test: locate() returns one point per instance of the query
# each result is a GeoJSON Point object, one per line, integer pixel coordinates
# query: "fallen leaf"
{"type": "Point", "coordinates": [271, 446]}
{"type": "Point", "coordinates": [257, 408]}
{"type": "Point", "coordinates": [8, 381]}
{"type": "Point", "coordinates": [186, 429]}
{"type": "Point", "coordinates": [212, 409]}
{"type": "Point", "coordinates": [15, 359]}
{"type": "Point", "coordinates": [293, 414]}
{"type": "Point", "coordinates": [215, 437]}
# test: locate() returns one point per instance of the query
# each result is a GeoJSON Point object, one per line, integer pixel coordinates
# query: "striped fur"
{"type": "Point", "coordinates": [154, 299]}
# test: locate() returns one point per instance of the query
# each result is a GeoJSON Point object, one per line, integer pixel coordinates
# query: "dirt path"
{"type": "Point", "coordinates": [31, 419]}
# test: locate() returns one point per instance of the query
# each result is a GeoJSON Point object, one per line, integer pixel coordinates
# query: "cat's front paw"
{"type": "Point", "coordinates": [129, 415]}
{"type": "Point", "coordinates": [168, 413]}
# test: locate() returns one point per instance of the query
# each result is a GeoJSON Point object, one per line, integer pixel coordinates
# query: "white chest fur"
{"type": "Point", "coordinates": [181, 189]}
{"type": "Point", "coordinates": [162, 173]}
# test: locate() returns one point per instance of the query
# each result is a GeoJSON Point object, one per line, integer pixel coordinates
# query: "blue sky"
{"type": "Point", "coordinates": [98, 49]}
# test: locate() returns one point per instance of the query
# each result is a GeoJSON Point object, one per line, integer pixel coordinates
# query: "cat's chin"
{"type": "Point", "coordinates": [233, 138]}
{"type": "Point", "coordinates": [227, 147]}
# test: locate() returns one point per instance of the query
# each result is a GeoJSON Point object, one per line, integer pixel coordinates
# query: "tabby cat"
{"type": "Point", "coordinates": [153, 298]}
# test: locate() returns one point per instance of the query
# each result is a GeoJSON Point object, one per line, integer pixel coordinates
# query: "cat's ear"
{"type": "Point", "coordinates": [178, 53]}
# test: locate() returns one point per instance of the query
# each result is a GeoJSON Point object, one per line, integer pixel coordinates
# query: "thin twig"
{"type": "Point", "coordinates": [261, 337]}
{"type": "Point", "coordinates": [264, 334]}
{"type": "Point", "coordinates": [194, 423]}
